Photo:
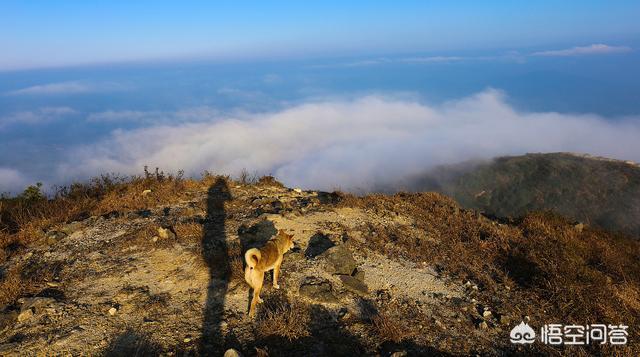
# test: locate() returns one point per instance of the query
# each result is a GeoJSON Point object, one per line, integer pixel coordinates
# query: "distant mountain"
{"type": "Point", "coordinates": [593, 190]}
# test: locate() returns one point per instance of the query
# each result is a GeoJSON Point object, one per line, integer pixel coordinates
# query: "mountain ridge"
{"type": "Point", "coordinates": [153, 266]}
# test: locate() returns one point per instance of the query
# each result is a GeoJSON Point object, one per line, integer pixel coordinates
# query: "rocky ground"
{"type": "Point", "coordinates": [168, 280]}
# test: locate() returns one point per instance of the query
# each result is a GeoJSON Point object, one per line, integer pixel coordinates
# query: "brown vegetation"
{"type": "Point", "coordinates": [542, 265]}
{"type": "Point", "coordinates": [281, 317]}
{"type": "Point", "coordinates": [11, 286]}
{"type": "Point", "coordinates": [24, 219]}
{"type": "Point", "coordinates": [388, 328]}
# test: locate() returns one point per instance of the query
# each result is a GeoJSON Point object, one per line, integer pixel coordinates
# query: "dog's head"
{"type": "Point", "coordinates": [287, 239]}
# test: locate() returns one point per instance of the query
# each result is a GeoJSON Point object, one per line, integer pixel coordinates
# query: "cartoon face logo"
{"type": "Point", "coordinates": [523, 334]}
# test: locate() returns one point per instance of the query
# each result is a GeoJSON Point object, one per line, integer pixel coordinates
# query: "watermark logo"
{"type": "Point", "coordinates": [522, 334]}
{"type": "Point", "coordinates": [559, 334]}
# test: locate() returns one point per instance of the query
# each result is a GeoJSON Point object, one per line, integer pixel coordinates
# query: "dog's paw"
{"type": "Point", "coordinates": [260, 301]}
{"type": "Point", "coordinates": [276, 286]}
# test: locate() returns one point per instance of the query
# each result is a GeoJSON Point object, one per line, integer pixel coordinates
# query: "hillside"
{"type": "Point", "coordinates": [591, 190]}
{"type": "Point", "coordinates": [153, 266]}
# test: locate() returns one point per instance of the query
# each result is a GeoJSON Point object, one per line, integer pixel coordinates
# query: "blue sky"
{"type": "Point", "coordinates": [40, 33]}
{"type": "Point", "coordinates": [323, 95]}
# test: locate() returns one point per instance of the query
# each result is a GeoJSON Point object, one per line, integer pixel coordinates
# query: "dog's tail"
{"type": "Point", "coordinates": [252, 257]}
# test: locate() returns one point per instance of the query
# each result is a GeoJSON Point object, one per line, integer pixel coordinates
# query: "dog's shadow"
{"type": "Point", "coordinates": [255, 236]}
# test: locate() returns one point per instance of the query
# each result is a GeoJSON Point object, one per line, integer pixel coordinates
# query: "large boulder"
{"type": "Point", "coordinates": [318, 244]}
{"type": "Point", "coordinates": [318, 289]}
{"type": "Point", "coordinates": [339, 260]}
{"type": "Point", "coordinates": [354, 285]}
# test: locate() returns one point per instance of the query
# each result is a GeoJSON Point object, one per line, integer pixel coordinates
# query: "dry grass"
{"type": "Point", "coordinates": [25, 279]}
{"type": "Point", "coordinates": [269, 181]}
{"type": "Point", "coordinates": [189, 232]}
{"type": "Point", "coordinates": [25, 218]}
{"type": "Point", "coordinates": [144, 235]}
{"type": "Point", "coordinates": [556, 272]}
{"type": "Point", "coordinates": [388, 328]}
{"type": "Point", "coordinates": [280, 317]}
{"type": "Point", "coordinates": [236, 261]}
{"type": "Point", "coordinates": [11, 287]}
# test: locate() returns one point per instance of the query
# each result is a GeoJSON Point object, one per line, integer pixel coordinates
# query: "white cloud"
{"type": "Point", "coordinates": [432, 59]}
{"type": "Point", "coordinates": [355, 144]}
{"type": "Point", "coordinates": [595, 49]}
{"type": "Point", "coordinates": [196, 114]}
{"type": "Point", "coordinates": [11, 180]}
{"type": "Point", "coordinates": [384, 60]}
{"type": "Point", "coordinates": [38, 116]}
{"type": "Point", "coordinates": [512, 56]}
{"type": "Point", "coordinates": [70, 87]}
{"type": "Point", "coordinates": [123, 116]}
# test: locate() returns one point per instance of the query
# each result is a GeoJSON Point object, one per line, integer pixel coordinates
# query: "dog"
{"type": "Point", "coordinates": [262, 260]}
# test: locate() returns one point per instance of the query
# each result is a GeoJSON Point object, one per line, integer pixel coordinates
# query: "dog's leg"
{"type": "Point", "coordinates": [257, 286]}
{"type": "Point", "coordinates": [276, 272]}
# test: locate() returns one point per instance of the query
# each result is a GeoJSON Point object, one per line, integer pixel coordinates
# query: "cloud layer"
{"type": "Point", "coordinates": [11, 181]}
{"type": "Point", "coordinates": [66, 88]}
{"type": "Point", "coordinates": [38, 116]}
{"type": "Point", "coordinates": [354, 145]}
{"type": "Point", "coordinates": [595, 49]}
{"type": "Point", "coordinates": [515, 56]}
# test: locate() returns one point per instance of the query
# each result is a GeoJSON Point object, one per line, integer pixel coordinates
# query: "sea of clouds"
{"type": "Point", "coordinates": [355, 144]}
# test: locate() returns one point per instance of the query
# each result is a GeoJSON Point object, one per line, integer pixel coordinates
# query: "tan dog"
{"type": "Point", "coordinates": [262, 260]}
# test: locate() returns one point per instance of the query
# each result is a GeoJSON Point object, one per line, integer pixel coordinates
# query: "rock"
{"type": "Point", "coordinates": [37, 303]}
{"type": "Point", "coordinates": [399, 354]}
{"type": "Point", "coordinates": [339, 260]}
{"type": "Point", "coordinates": [52, 292]}
{"type": "Point", "coordinates": [188, 339]}
{"type": "Point", "coordinates": [485, 311]}
{"type": "Point", "coordinates": [144, 213]}
{"type": "Point", "coordinates": [354, 285]}
{"type": "Point", "coordinates": [25, 315]}
{"type": "Point", "coordinates": [113, 311]}
{"type": "Point", "coordinates": [297, 190]}
{"type": "Point", "coordinates": [317, 289]}
{"type": "Point", "coordinates": [579, 227]}
{"type": "Point", "coordinates": [318, 244]}
{"type": "Point", "coordinates": [8, 318]}
{"type": "Point", "coordinates": [258, 234]}
{"type": "Point", "coordinates": [503, 320]}
{"type": "Point", "coordinates": [54, 236]}
{"type": "Point", "coordinates": [263, 201]}
{"type": "Point", "coordinates": [110, 215]}
{"type": "Point", "coordinates": [166, 233]}
{"type": "Point", "coordinates": [146, 192]}
{"type": "Point", "coordinates": [72, 227]}
{"type": "Point", "coordinates": [359, 274]}
{"type": "Point", "coordinates": [232, 353]}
